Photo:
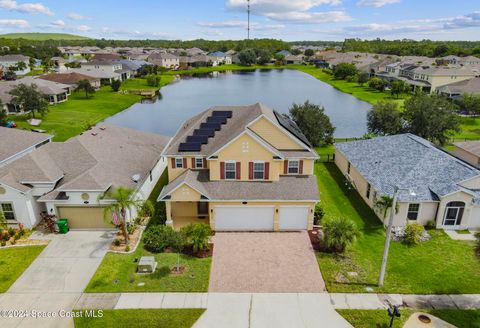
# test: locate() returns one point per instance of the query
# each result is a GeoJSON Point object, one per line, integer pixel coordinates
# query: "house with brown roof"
{"type": "Point", "coordinates": [240, 168]}
{"type": "Point", "coordinates": [71, 78]}
{"type": "Point", "coordinates": [66, 179]}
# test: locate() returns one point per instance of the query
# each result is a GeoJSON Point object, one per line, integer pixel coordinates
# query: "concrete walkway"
{"type": "Point", "coordinates": [55, 280]}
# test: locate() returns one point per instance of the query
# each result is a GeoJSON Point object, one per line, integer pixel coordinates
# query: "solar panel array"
{"type": "Point", "coordinates": [292, 128]}
{"type": "Point", "coordinates": [206, 130]}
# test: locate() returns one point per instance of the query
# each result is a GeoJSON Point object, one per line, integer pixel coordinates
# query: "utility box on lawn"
{"type": "Point", "coordinates": [147, 264]}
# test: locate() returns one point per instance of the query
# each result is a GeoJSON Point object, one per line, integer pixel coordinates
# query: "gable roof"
{"type": "Point", "coordinates": [66, 78]}
{"type": "Point", "coordinates": [242, 116]}
{"type": "Point", "coordinates": [15, 141]}
{"type": "Point", "coordinates": [407, 161]}
{"type": "Point", "coordinates": [472, 147]}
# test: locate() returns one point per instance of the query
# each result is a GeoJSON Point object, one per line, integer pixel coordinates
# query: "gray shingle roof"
{"type": "Point", "coordinates": [288, 188]}
{"type": "Point", "coordinates": [14, 141]}
{"type": "Point", "coordinates": [407, 161]}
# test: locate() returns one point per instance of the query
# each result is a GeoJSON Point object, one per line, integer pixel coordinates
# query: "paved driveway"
{"type": "Point", "coordinates": [56, 279]}
{"type": "Point", "coordinates": [260, 262]}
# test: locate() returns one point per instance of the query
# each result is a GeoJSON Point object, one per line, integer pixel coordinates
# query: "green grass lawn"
{"type": "Point", "coordinates": [70, 118]}
{"type": "Point", "coordinates": [432, 267]}
{"type": "Point", "coordinates": [117, 273]}
{"type": "Point", "coordinates": [13, 261]}
{"type": "Point", "coordinates": [380, 319]}
{"type": "Point", "coordinates": [162, 318]}
{"type": "Point", "coordinates": [138, 83]}
{"type": "Point", "coordinates": [470, 129]}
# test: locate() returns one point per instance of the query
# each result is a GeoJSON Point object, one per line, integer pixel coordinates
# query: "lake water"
{"type": "Point", "coordinates": [277, 89]}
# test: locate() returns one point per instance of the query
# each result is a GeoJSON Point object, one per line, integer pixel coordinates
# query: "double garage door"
{"type": "Point", "coordinates": [84, 217]}
{"type": "Point", "coordinates": [260, 218]}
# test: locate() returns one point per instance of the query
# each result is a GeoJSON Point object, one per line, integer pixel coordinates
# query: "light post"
{"type": "Point", "coordinates": [386, 248]}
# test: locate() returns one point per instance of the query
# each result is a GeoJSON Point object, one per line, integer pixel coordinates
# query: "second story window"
{"type": "Point", "coordinates": [293, 167]}
{"type": "Point", "coordinates": [259, 170]}
{"type": "Point", "coordinates": [178, 163]}
{"type": "Point", "coordinates": [230, 170]}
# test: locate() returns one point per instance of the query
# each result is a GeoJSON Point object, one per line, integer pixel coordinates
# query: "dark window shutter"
{"type": "Point", "coordinates": [184, 163]}
{"type": "Point", "coordinates": [300, 167]}
{"type": "Point", "coordinates": [238, 170]}
{"type": "Point", "coordinates": [204, 163]}
{"type": "Point", "coordinates": [267, 170]}
{"type": "Point", "coordinates": [193, 163]}
{"type": "Point", "coordinates": [250, 170]}
{"type": "Point", "coordinates": [173, 163]}
{"type": "Point", "coordinates": [222, 170]}
{"type": "Point", "coordinates": [285, 167]}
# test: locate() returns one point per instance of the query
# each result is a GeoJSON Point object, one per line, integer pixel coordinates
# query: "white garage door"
{"type": "Point", "coordinates": [294, 217]}
{"type": "Point", "coordinates": [244, 218]}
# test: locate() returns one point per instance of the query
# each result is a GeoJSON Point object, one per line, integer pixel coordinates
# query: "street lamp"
{"type": "Point", "coordinates": [389, 233]}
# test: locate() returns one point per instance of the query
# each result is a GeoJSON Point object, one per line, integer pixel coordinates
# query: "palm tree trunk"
{"type": "Point", "coordinates": [124, 225]}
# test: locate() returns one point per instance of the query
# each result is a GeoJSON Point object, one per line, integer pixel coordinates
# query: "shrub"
{"type": "Point", "coordinates": [431, 224]}
{"type": "Point", "coordinates": [13, 242]}
{"type": "Point", "coordinates": [116, 85]}
{"type": "Point", "coordinates": [131, 227]}
{"type": "Point", "coordinates": [17, 236]}
{"type": "Point", "coordinates": [339, 233]}
{"type": "Point", "coordinates": [5, 236]}
{"type": "Point", "coordinates": [11, 232]}
{"type": "Point", "coordinates": [157, 238]}
{"type": "Point", "coordinates": [146, 209]}
{"type": "Point", "coordinates": [153, 80]}
{"type": "Point", "coordinates": [127, 248]}
{"type": "Point", "coordinates": [318, 214]}
{"type": "Point", "coordinates": [159, 215]}
{"type": "Point", "coordinates": [3, 243]}
{"type": "Point", "coordinates": [197, 236]}
{"type": "Point", "coordinates": [413, 234]}
{"type": "Point", "coordinates": [117, 242]}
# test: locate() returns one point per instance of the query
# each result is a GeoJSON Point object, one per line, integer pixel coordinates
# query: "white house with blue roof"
{"type": "Point", "coordinates": [433, 185]}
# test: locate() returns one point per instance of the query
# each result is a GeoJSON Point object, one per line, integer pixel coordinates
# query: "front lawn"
{"type": "Point", "coordinates": [117, 273]}
{"type": "Point", "coordinates": [72, 117]}
{"type": "Point", "coordinates": [439, 266]}
{"type": "Point", "coordinates": [379, 318]}
{"type": "Point", "coordinates": [13, 261]}
{"type": "Point", "coordinates": [164, 318]}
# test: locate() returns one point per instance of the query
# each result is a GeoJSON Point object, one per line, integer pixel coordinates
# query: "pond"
{"type": "Point", "coordinates": [278, 89]}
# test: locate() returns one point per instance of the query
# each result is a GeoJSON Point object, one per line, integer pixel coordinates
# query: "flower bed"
{"type": "Point", "coordinates": [12, 237]}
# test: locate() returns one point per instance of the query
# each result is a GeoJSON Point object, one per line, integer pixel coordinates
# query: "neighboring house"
{"type": "Point", "coordinates": [71, 79]}
{"type": "Point", "coordinates": [8, 61]}
{"type": "Point", "coordinates": [469, 151]}
{"type": "Point", "coordinates": [67, 179]}
{"type": "Point", "coordinates": [164, 60]}
{"type": "Point", "coordinates": [240, 168]}
{"type": "Point", "coordinates": [283, 53]}
{"type": "Point", "coordinates": [221, 57]}
{"type": "Point", "coordinates": [16, 143]}
{"type": "Point", "coordinates": [59, 63]}
{"type": "Point", "coordinates": [292, 59]}
{"type": "Point", "coordinates": [133, 65]}
{"type": "Point", "coordinates": [106, 56]}
{"type": "Point", "coordinates": [55, 92]}
{"type": "Point", "coordinates": [6, 99]}
{"type": "Point", "coordinates": [109, 67]}
{"type": "Point", "coordinates": [436, 186]}
{"type": "Point", "coordinates": [457, 89]}
{"type": "Point", "coordinates": [195, 51]}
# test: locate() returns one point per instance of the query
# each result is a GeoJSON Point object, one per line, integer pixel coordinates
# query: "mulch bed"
{"type": "Point", "coordinates": [132, 241]}
{"type": "Point", "coordinates": [200, 254]}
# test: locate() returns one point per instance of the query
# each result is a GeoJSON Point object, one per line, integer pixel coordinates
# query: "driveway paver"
{"type": "Point", "coordinates": [54, 282]}
{"type": "Point", "coordinates": [261, 262]}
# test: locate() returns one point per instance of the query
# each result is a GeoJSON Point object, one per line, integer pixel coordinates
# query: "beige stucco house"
{"type": "Point", "coordinates": [434, 185]}
{"type": "Point", "coordinates": [469, 151]}
{"type": "Point", "coordinates": [240, 168]}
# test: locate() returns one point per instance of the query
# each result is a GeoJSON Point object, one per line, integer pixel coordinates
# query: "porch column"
{"type": "Point", "coordinates": [168, 209]}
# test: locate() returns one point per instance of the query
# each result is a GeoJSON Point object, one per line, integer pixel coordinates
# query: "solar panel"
{"type": "Point", "coordinates": [214, 126]}
{"type": "Point", "coordinates": [292, 128]}
{"type": "Point", "coordinates": [217, 119]}
{"type": "Point", "coordinates": [222, 113]}
{"type": "Point", "coordinates": [200, 139]}
{"type": "Point", "coordinates": [190, 146]}
{"type": "Point", "coordinates": [204, 132]}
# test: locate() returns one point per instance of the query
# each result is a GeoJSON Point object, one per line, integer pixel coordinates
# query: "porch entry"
{"type": "Point", "coordinates": [453, 215]}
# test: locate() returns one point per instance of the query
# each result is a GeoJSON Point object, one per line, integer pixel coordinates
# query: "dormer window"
{"type": "Point", "coordinates": [178, 162]}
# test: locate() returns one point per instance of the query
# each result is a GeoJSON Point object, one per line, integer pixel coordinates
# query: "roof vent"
{"type": "Point", "coordinates": [135, 178]}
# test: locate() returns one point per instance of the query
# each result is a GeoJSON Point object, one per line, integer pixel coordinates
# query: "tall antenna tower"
{"type": "Point", "coordinates": [248, 14]}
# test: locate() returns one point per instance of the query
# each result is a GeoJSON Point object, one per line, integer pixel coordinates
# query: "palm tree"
{"type": "Point", "coordinates": [339, 233]}
{"type": "Point", "coordinates": [123, 199]}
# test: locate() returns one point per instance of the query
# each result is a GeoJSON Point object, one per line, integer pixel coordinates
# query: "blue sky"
{"type": "Point", "coordinates": [226, 19]}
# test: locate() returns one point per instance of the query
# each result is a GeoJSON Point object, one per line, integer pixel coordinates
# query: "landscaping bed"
{"type": "Point", "coordinates": [164, 318]}
{"type": "Point", "coordinates": [438, 266]}
{"type": "Point", "coordinates": [12, 237]}
{"type": "Point", "coordinates": [379, 318]}
{"type": "Point", "coordinates": [13, 261]}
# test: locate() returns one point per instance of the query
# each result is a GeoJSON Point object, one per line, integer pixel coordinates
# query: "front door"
{"type": "Point", "coordinates": [453, 214]}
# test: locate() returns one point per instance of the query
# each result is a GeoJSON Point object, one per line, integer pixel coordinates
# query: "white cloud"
{"type": "Point", "coordinates": [83, 28]}
{"type": "Point", "coordinates": [133, 34]}
{"type": "Point", "coordinates": [77, 17]}
{"type": "Point", "coordinates": [12, 5]}
{"type": "Point", "coordinates": [465, 21]}
{"type": "Point", "coordinates": [15, 23]}
{"type": "Point", "coordinates": [58, 23]}
{"type": "Point", "coordinates": [376, 3]}
{"type": "Point", "coordinates": [241, 24]}
{"type": "Point", "coordinates": [300, 11]}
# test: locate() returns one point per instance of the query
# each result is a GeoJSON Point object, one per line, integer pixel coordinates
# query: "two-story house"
{"type": "Point", "coordinates": [164, 60]}
{"type": "Point", "coordinates": [11, 62]}
{"type": "Point", "coordinates": [240, 168]}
